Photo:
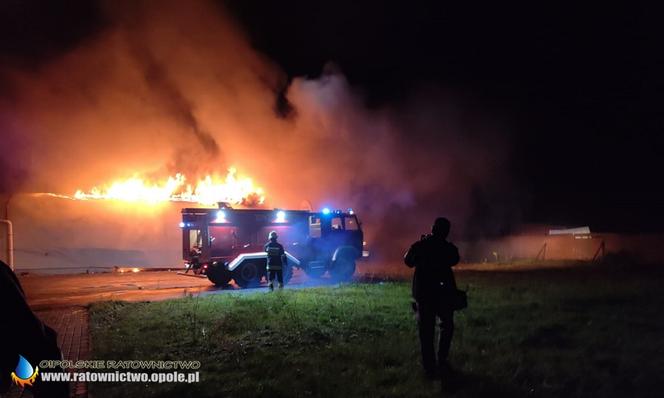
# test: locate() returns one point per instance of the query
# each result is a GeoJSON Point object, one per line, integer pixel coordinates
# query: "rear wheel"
{"type": "Point", "coordinates": [248, 274]}
{"type": "Point", "coordinates": [343, 268]}
{"type": "Point", "coordinates": [218, 275]}
{"type": "Point", "coordinates": [315, 269]}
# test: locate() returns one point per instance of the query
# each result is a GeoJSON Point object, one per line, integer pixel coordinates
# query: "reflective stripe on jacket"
{"type": "Point", "coordinates": [276, 256]}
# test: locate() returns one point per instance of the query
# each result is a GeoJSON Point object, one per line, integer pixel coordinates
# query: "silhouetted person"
{"type": "Point", "coordinates": [433, 290]}
{"type": "Point", "coordinates": [276, 260]}
{"type": "Point", "coordinates": [24, 334]}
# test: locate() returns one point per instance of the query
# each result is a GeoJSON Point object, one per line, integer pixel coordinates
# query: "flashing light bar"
{"type": "Point", "coordinates": [281, 216]}
{"type": "Point", "coordinates": [326, 211]}
{"type": "Point", "coordinates": [221, 216]}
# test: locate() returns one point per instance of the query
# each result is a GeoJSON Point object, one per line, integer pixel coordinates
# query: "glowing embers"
{"type": "Point", "coordinates": [207, 191]}
{"type": "Point", "coordinates": [125, 270]}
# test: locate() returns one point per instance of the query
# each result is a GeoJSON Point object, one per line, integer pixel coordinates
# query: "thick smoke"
{"type": "Point", "coordinates": [173, 100]}
{"type": "Point", "coordinates": [13, 169]}
{"type": "Point", "coordinates": [178, 88]}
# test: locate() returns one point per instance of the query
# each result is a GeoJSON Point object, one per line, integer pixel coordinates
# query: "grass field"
{"type": "Point", "coordinates": [568, 332]}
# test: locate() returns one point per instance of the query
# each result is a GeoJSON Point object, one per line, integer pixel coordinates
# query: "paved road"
{"type": "Point", "coordinates": [49, 291]}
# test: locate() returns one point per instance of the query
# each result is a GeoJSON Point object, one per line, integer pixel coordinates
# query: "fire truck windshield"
{"type": "Point", "coordinates": [336, 223]}
{"type": "Point", "coordinates": [350, 223]}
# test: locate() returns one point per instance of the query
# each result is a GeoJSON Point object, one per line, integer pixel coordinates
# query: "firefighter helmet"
{"type": "Point", "coordinates": [272, 235]}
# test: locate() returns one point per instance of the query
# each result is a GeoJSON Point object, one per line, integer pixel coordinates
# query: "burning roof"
{"type": "Point", "coordinates": [208, 190]}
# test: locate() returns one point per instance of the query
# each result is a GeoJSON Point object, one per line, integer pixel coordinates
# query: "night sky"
{"type": "Point", "coordinates": [578, 86]}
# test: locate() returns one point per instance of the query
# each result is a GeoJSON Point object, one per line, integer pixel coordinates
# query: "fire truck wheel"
{"type": "Point", "coordinates": [343, 268]}
{"type": "Point", "coordinates": [247, 274]}
{"type": "Point", "coordinates": [219, 276]}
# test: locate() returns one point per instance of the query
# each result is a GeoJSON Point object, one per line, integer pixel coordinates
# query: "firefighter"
{"type": "Point", "coordinates": [276, 260]}
{"type": "Point", "coordinates": [433, 291]}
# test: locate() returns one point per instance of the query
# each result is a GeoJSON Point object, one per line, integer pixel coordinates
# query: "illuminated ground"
{"type": "Point", "coordinates": [46, 291]}
{"type": "Point", "coordinates": [556, 328]}
{"type": "Point", "coordinates": [570, 331]}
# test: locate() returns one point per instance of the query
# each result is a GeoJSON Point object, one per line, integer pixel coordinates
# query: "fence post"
{"type": "Point", "coordinates": [541, 253]}
{"type": "Point", "coordinates": [601, 249]}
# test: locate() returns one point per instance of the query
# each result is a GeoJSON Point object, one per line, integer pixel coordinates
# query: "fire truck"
{"type": "Point", "coordinates": [225, 243]}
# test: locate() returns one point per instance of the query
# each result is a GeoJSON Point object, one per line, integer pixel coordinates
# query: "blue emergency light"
{"type": "Point", "coordinates": [281, 216]}
{"type": "Point", "coordinates": [326, 210]}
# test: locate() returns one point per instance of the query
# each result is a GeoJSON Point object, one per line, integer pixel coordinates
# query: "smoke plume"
{"type": "Point", "coordinates": [178, 88]}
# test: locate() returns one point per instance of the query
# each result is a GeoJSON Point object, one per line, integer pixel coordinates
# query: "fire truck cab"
{"type": "Point", "coordinates": [226, 243]}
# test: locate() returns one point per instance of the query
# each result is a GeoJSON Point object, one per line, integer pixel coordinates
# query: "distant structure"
{"type": "Point", "coordinates": [570, 231]}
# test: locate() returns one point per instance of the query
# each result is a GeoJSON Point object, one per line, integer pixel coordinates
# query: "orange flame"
{"type": "Point", "coordinates": [207, 191]}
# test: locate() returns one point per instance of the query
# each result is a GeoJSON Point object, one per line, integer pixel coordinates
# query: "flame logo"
{"type": "Point", "coordinates": [24, 374]}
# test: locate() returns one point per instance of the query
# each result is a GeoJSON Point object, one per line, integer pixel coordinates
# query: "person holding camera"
{"type": "Point", "coordinates": [434, 293]}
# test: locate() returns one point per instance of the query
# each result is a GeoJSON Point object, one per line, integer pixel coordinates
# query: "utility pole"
{"type": "Point", "coordinates": [10, 233]}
